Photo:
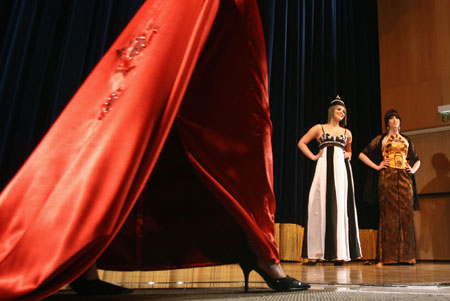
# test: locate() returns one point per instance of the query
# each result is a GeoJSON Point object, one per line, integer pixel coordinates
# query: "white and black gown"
{"type": "Point", "coordinates": [331, 232]}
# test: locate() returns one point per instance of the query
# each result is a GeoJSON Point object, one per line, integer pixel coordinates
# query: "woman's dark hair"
{"type": "Point", "coordinates": [389, 114]}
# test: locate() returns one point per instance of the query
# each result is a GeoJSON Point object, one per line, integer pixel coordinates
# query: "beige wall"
{"type": "Point", "coordinates": [415, 79]}
{"type": "Point", "coordinates": [432, 221]}
{"type": "Point", "coordinates": [415, 59]}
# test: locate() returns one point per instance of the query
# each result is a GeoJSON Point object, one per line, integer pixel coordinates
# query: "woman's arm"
{"type": "Point", "coordinates": [313, 133]}
{"type": "Point", "coordinates": [348, 146]}
{"type": "Point", "coordinates": [414, 168]}
{"type": "Point", "coordinates": [412, 158]}
{"type": "Point", "coordinates": [370, 163]}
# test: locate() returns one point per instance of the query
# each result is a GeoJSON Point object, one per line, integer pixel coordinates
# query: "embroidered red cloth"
{"type": "Point", "coordinates": [109, 180]}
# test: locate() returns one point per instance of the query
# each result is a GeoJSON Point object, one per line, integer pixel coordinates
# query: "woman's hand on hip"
{"type": "Point", "coordinates": [319, 154]}
{"type": "Point", "coordinates": [383, 165]}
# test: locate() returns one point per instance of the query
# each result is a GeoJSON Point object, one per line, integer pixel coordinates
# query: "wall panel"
{"type": "Point", "coordinates": [414, 40]}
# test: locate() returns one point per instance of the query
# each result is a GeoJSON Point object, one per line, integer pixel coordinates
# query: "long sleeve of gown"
{"type": "Point", "coordinates": [373, 152]}
{"type": "Point", "coordinates": [412, 158]}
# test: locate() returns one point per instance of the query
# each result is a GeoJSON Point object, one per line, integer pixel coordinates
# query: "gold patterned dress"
{"type": "Point", "coordinates": [396, 239]}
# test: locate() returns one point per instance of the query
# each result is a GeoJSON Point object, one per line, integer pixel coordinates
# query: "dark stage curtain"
{"type": "Point", "coordinates": [47, 48]}
{"type": "Point", "coordinates": [316, 49]}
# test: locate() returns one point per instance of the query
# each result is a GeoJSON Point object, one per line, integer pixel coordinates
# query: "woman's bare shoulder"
{"type": "Point", "coordinates": [348, 133]}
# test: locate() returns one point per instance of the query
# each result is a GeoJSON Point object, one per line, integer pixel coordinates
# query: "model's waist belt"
{"type": "Point", "coordinates": [331, 143]}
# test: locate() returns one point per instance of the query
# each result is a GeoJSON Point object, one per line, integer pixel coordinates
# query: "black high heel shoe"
{"type": "Point", "coordinates": [282, 285]}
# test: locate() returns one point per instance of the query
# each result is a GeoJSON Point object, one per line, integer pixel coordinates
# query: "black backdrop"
{"type": "Point", "coordinates": [316, 49]}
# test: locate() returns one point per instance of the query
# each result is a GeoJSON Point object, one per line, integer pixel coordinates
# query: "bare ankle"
{"type": "Point", "coordinates": [274, 270]}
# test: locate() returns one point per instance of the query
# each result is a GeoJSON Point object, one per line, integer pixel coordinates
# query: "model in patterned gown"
{"type": "Point", "coordinates": [331, 232]}
{"type": "Point", "coordinates": [394, 158]}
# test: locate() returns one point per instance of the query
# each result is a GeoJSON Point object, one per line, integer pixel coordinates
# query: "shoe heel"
{"type": "Point", "coordinates": [246, 281]}
{"type": "Point", "coordinates": [246, 271]}
{"type": "Point", "coordinates": [249, 262]}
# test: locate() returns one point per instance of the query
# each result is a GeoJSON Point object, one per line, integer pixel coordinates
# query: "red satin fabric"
{"type": "Point", "coordinates": [115, 183]}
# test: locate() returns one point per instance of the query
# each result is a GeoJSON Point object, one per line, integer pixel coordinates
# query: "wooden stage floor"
{"type": "Point", "coordinates": [351, 281]}
{"type": "Point", "coordinates": [355, 273]}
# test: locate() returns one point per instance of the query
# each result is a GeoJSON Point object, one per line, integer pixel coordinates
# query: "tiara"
{"type": "Point", "coordinates": [337, 101]}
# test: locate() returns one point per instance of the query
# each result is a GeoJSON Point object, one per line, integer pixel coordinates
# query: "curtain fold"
{"type": "Point", "coordinates": [48, 47]}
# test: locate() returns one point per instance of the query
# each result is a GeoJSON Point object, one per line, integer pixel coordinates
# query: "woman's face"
{"type": "Point", "coordinates": [394, 122]}
{"type": "Point", "coordinates": [339, 113]}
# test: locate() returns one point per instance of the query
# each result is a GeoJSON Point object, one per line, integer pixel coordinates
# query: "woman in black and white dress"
{"type": "Point", "coordinates": [331, 232]}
